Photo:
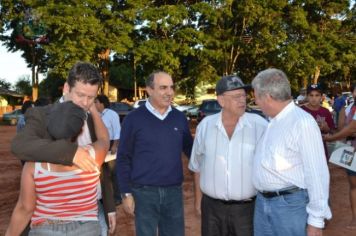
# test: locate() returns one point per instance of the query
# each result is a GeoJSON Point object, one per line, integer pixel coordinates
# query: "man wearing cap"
{"type": "Point", "coordinates": [222, 158]}
{"type": "Point", "coordinates": [290, 170]}
{"type": "Point", "coordinates": [322, 115]}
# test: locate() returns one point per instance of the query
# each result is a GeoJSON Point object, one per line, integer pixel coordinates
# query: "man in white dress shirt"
{"type": "Point", "coordinates": [222, 155]}
{"type": "Point", "coordinates": [112, 122]}
{"type": "Point", "coordinates": [290, 170]}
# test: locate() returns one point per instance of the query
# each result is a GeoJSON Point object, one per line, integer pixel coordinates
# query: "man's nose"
{"type": "Point", "coordinates": [85, 102]}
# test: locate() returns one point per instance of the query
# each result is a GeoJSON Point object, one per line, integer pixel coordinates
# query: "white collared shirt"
{"type": "Point", "coordinates": [225, 165]}
{"type": "Point", "coordinates": [291, 153]}
{"type": "Point", "coordinates": [155, 112]}
{"type": "Point", "coordinates": [112, 122]}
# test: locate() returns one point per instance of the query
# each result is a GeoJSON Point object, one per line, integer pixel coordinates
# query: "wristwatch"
{"type": "Point", "coordinates": [125, 195]}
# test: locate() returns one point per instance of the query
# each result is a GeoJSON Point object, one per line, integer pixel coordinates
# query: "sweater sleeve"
{"type": "Point", "coordinates": [124, 156]}
{"type": "Point", "coordinates": [33, 143]}
{"type": "Point", "coordinates": [187, 139]}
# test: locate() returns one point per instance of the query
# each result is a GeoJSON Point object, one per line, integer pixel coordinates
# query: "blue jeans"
{"type": "Point", "coordinates": [281, 215]}
{"type": "Point", "coordinates": [159, 208]}
{"type": "Point", "coordinates": [101, 218]}
{"type": "Point", "coordinates": [74, 228]}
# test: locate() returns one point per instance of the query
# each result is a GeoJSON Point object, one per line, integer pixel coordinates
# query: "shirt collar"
{"type": "Point", "coordinates": [284, 112]}
{"type": "Point", "coordinates": [154, 111]}
{"type": "Point", "coordinates": [241, 123]}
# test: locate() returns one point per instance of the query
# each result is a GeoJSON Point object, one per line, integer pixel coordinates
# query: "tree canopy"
{"type": "Point", "coordinates": [195, 41]}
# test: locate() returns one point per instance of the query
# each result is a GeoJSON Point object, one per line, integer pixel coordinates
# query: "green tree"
{"type": "Point", "coordinates": [23, 86]}
{"type": "Point", "coordinates": [52, 86]}
{"type": "Point", "coordinates": [4, 84]}
{"type": "Point", "coordinates": [77, 30]}
{"type": "Point", "coordinates": [313, 45]}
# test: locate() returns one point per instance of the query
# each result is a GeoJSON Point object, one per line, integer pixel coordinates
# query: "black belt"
{"type": "Point", "coordinates": [280, 192]}
{"type": "Point", "coordinates": [232, 202]}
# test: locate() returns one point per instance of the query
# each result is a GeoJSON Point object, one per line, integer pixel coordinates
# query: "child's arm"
{"type": "Point", "coordinates": [26, 203]}
{"type": "Point", "coordinates": [101, 145]}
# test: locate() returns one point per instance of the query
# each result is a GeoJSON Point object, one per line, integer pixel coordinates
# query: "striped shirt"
{"type": "Point", "coordinates": [69, 196]}
{"type": "Point", "coordinates": [291, 153]}
{"type": "Point", "coordinates": [225, 165]}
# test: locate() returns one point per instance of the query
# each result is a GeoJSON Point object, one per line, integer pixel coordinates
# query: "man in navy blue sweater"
{"type": "Point", "coordinates": [149, 164]}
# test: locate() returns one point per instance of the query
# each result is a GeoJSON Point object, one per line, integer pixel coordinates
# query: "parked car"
{"type": "Point", "coordinates": [139, 103]}
{"type": "Point", "coordinates": [181, 108]}
{"type": "Point", "coordinates": [211, 106]}
{"type": "Point", "coordinates": [11, 117]}
{"type": "Point", "coordinates": [207, 108]}
{"type": "Point", "coordinates": [121, 108]}
{"type": "Point", "coordinates": [192, 113]}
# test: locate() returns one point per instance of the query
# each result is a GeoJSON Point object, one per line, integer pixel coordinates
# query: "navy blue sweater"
{"type": "Point", "coordinates": [150, 149]}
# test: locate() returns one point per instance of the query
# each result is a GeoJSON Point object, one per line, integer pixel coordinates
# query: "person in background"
{"type": "Point", "coordinates": [56, 208]}
{"type": "Point", "coordinates": [222, 156]}
{"type": "Point", "coordinates": [149, 165]}
{"type": "Point", "coordinates": [339, 104]}
{"type": "Point", "coordinates": [290, 170]}
{"type": "Point", "coordinates": [322, 115]}
{"type": "Point", "coordinates": [325, 102]}
{"type": "Point", "coordinates": [112, 123]}
{"type": "Point", "coordinates": [41, 102]}
{"type": "Point", "coordinates": [302, 97]}
{"type": "Point", "coordinates": [21, 120]}
{"type": "Point", "coordinates": [347, 127]}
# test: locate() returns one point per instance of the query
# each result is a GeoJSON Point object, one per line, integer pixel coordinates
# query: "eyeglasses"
{"type": "Point", "coordinates": [236, 97]}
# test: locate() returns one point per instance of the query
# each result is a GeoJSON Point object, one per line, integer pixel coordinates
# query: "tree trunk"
{"type": "Point", "coordinates": [316, 75]}
{"type": "Point", "coordinates": [104, 57]}
{"type": "Point", "coordinates": [34, 82]}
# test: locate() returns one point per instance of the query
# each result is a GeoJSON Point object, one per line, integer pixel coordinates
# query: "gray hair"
{"type": "Point", "coordinates": [150, 79]}
{"type": "Point", "coordinates": [273, 82]}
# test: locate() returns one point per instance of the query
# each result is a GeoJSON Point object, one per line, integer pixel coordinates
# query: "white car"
{"type": "Point", "coordinates": [139, 103]}
{"type": "Point", "coordinates": [181, 108]}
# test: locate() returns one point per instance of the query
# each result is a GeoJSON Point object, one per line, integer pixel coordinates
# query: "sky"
{"type": "Point", "coordinates": [12, 65]}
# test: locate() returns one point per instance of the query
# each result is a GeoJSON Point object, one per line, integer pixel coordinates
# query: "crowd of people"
{"type": "Point", "coordinates": [252, 175]}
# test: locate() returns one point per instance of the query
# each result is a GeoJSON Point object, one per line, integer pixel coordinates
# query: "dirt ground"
{"type": "Point", "coordinates": [10, 170]}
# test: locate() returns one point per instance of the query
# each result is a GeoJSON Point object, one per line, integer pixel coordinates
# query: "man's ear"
{"type": "Point", "coordinates": [66, 88]}
{"type": "Point", "coordinates": [149, 90]}
{"type": "Point", "coordinates": [220, 100]}
{"type": "Point", "coordinates": [267, 97]}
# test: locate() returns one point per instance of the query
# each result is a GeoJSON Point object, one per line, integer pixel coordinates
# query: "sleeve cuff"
{"type": "Point", "coordinates": [111, 213]}
{"type": "Point", "coordinates": [316, 222]}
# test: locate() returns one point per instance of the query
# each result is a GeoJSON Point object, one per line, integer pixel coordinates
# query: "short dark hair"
{"type": "Point", "coordinates": [41, 102]}
{"type": "Point", "coordinates": [104, 100]}
{"type": "Point", "coordinates": [27, 104]}
{"type": "Point", "coordinates": [84, 72]}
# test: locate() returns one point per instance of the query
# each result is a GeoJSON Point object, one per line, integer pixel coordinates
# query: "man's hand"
{"type": "Point", "coordinates": [113, 150]}
{"type": "Point", "coordinates": [327, 137]}
{"type": "Point", "coordinates": [323, 126]}
{"type": "Point", "coordinates": [112, 222]}
{"type": "Point", "coordinates": [129, 205]}
{"type": "Point", "coordinates": [84, 161]}
{"type": "Point", "coordinates": [314, 231]}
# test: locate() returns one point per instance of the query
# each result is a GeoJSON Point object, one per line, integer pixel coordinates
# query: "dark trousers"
{"type": "Point", "coordinates": [111, 177]}
{"type": "Point", "coordinates": [224, 219]}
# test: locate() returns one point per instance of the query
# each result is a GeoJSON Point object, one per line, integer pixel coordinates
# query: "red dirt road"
{"type": "Point", "coordinates": [10, 171]}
